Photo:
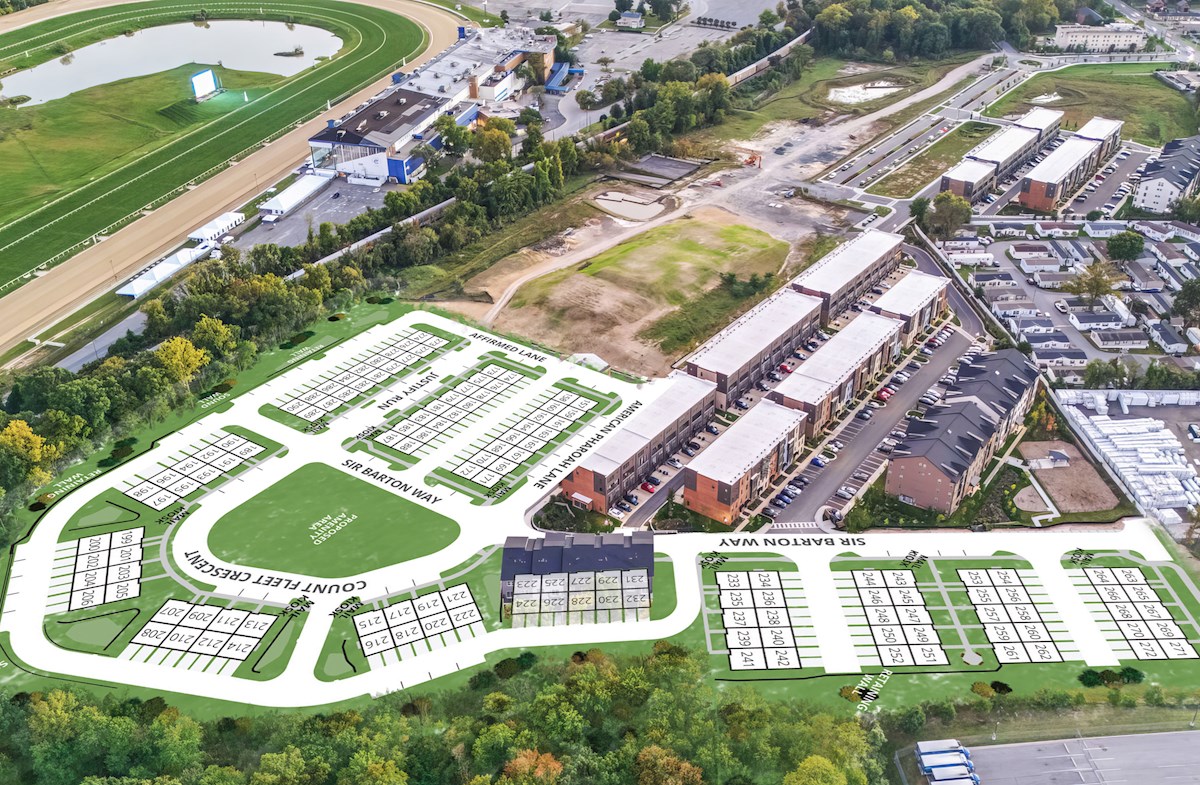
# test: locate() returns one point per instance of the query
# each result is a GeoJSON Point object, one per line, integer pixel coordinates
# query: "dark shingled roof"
{"type": "Point", "coordinates": [988, 387]}
{"type": "Point", "coordinates": [560, 552]}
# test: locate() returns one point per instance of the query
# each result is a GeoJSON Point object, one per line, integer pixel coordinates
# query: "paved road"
{"type": "Point", "coordinates": [1146, 759]}
{"type": "Point", "coordinates": [72, 284]}
{"type": "Point", "coordinates": [862, 440]}
{"type": "Point", "coordinates": [925, 129]}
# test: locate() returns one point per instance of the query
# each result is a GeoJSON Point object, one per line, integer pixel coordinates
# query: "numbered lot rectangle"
{"type": "Point", "coordinates": [386, 360]}
{"type": "Point", "coordinates": [199, 467]}
{"type": "Point", "coordinates": [427, 617]}
{"type": "Point", "coordinates": [107, 569]}
{"type": "Point", "coordinates": [1142, 620]}
{"type": "Point", "coordinates": [209, 630]}
{"type": "Point", "coordinates": [901, 628]}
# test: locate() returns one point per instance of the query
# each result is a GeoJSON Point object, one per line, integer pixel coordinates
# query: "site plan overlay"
{"type": "Point", "coordinates": [171, 563]}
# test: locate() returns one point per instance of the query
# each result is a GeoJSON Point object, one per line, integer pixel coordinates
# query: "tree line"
{"type": "Point", "coordinates": [592, 719]}
{"type": "Point", "coordinates": [12, 6]}
{"type": "Point", "coordinates": [901, 29]}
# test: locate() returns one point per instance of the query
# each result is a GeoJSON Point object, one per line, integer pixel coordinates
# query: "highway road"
{"type": "Point", "coordinates": [47, 299]}
{"type": "Point", "coordinates": [1144, 759]}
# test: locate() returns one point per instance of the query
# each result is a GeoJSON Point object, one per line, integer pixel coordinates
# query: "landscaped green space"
{"type": "Point", "coordinates": [940, 156]}
{"type": "Point", "coordinates": [325, 523]}
{"type": "Point", "coordinates": [1153, 112]}
{"type": "Point", "coordinates": [807, 97]}
{"type": "Point", "coordinates": [80, 164]}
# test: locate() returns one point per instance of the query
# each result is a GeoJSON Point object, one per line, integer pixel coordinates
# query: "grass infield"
{"type": "Point", "coordinates": [324, 523]}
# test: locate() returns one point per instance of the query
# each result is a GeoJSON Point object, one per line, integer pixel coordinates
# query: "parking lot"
{"type": "Point", "coordinates": [1083, 201]}
{"type": "Point", "coordinates": [1115, 173]}
{"type": "Point", "coordinates": [859, 458]}
{"type": "Point", "coordinates": [337, 203]}
{"type": "Point", "coordinates": [1144, 759]}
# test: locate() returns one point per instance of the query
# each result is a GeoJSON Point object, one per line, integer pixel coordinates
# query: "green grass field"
{"type": "Point", "coordinates": [104, 164]}
{"type": "Point", "coordinates": [282, 527]}
{"type": "Point", "coordinates": [925, 166]}
{"type": "Point", "coordinates": [807, 97]}
{"type": "Point", "coordinates": [1153, 113]}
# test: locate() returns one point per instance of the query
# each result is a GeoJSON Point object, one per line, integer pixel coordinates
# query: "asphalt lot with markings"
{"type": "Point", "coordinates": [1145, 759]}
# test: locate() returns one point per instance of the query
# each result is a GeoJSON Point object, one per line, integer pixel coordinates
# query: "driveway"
{"type": "Point", "coordinates": [861, 438]}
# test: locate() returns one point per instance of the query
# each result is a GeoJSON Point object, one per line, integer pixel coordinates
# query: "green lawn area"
{"type": "Point", "coordinates": [75, 166]}
{"type": "Point", "coordinates": [292, 526]}
{"type": "Point", "coordinates": [808, 97]}
{"type": "Point", "coordinates": [1153, 113]}
{"type": "Point", "coordinates": [940, 156]}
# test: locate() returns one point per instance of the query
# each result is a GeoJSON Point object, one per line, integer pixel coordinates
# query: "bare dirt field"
{"type": "Point", "coordinates": [602, 305]}
{"type": "Point", "coordinates": [1028, 499]}
{"type": "Point", "coordinates": [1074, 488]}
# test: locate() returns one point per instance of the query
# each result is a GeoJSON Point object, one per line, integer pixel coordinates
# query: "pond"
{"type": "Point", "coordinates": [237, 45]}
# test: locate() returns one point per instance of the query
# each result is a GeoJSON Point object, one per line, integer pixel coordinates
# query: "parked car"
{"type": "Point", "coordinates": [712, 428]}
{"type": "Point", "coordinates": [615, 513]}
{"type": "Point", "coordinates": [761, 386]}
{"type": "Point", "coordinates": [802, 480]}
{"type": "Point", "coordinates": [787, 497]}
{"type": "Point", "coordinates": [632, 499]}
{"type": "Point", "coordinates": [864, 415]}
{"type": "Point", "coordinates": [884, 448]}
{"type": "Point", "coordinates": [785, 368]}
{"type": "Point", "coordinates": [624, 507]}
{"type": "Point", "coordinates": [770, 512]}
{"type": "Point", "coordinates": [800, 355]}
{"type": "Point", "coordinates": [876, 404]}
{"type": "Point", "coordinates": [860, 476]}
{"type": "Point", "coordinates": [654, 481]}
{"type": "Point", "coordinates": [844, 493]}
{"type": "Point", "coordinates": [819, 462]}
{"type": "Point", "coordinates": [689, 452]}
{"type": "Point", "coordinates": [779, 503]}
{"type": "Point", "coordinates": [775, 376]}
{"type": "Point", "coordinates": [647, 487]}
{"type": "Point", "coordinates": [674, 463]}
{"type": "Point", "coordinates": [694, 445]}
{"type": "Point", "coordinates": [793, 490]}
{"type": "Point", "coordinates": [741, 403]}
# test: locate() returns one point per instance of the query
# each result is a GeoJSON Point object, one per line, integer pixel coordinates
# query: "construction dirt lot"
{"type": "Point", "coordinates": [607, 304]}
{"type": "Point", "coordinates": [1074, 488]}
{"type": "Point", "coordinates": [50, 297]}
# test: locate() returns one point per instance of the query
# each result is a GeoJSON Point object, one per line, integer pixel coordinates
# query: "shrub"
{"type": "Point", "coordinates": [1001, 688]}
{"type": "Point", "coordinates": [1091, 678]}
{"type": "Point", "coordinates": [983, 690]}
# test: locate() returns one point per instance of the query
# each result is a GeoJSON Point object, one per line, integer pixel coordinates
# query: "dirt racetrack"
{"type": "Point", "coordinates": [45, 300]}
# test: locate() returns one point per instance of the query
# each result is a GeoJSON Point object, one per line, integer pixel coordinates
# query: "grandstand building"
{"type": "Point", "coordinates": [385, 138]}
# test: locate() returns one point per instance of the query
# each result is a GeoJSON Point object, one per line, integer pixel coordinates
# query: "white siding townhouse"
{"type": "Point", "coordinates": [1172, 177]}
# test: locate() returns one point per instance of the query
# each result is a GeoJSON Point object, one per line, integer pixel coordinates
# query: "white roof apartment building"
{"type": "Point", "coordinates": [837, 371]}
{"type": "Point", "coordinates": [756, 342]}
{"type": "Point", "coordinates": [1062, 171]}
{"type": "Point", "coordinates": [736, 468]}
{"type": "Point", "coordinates": [623, 459]}
{"type": "Point", "coordinates": [1104, 38]}
{"type": "Point", "coordinates": [916, 300]}
{"type": "Point", "coordinates": [1172, 177]}
{"type": "Point", "coordinates": [1001, 153]}
{"type": "Point", "coordinates": [850, 270]}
